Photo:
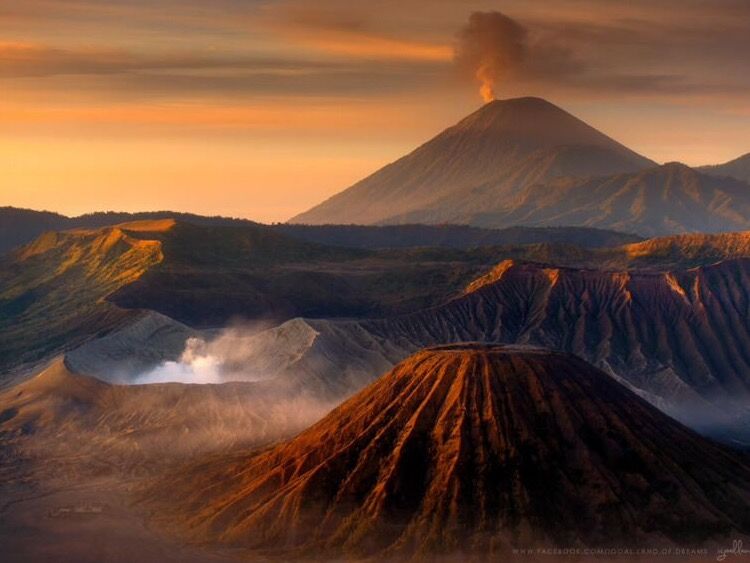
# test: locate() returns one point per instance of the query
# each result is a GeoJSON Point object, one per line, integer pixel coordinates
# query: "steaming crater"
{"type": "Point", "coordinates": [157, 349]}
{"type": "Point", "coordinates": [236, 354]}
{"type": "Point", "coordinates": [197, 364]}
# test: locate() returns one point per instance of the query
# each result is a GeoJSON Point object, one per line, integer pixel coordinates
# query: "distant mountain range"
{"type": "Point", "coordinates": [527, 162]}
{"type": "Point", "coordinates": [668, 199]}
{"type": "Point", "coordinates": [738, 168]}
{"type": "Point", "coordinates": [499, 176]}
{"type": "Point", "coordinates": [21, 226]}
{"type": "Point", "coordinates": [451, 236]}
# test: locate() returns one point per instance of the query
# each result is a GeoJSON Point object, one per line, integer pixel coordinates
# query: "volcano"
{"type": "Point", "coordinates": [471, 450]}
{"type": "Point", "coordinates": [501, 148]}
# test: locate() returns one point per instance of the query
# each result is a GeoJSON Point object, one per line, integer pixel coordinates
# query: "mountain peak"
{"type": "Point", "coordinates": [676, 165]}
{"type": "Point", "coordinates": [472, 449]}
{"type": "Point", "coordinates": [521, 103]}
{"type": "Point", "coordinates": [668, 170]}
{"type": "Point", "coordinates": [501, 148]}
{"type": "Point", "coordinates": [533, 122]}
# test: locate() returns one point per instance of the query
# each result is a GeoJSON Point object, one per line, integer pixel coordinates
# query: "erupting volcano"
{"type": "Point", "coordinates": [487, 159]}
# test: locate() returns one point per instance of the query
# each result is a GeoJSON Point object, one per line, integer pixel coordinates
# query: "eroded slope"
{"type": "Point", "coordinates": [471, 450]}
{"type": "Point", "coordinates": [52, 291]}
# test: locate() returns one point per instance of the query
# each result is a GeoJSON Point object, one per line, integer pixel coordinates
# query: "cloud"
{"type": "Point", "coordinates": [491, 47]}
{"type": "Point", "coordinates": [242, 51]}
{"type": "Point", "coordinates": [350, 33]}
{"type": "Point", "coordinates": [358, 44]}
{"type": "Point", "coordinates": [630, 56]}
{"type": "Point", "coordinates": [498, 51]}
{"type": "Point", "coordinates": [337, 48]}
{"type": "Point", "coordinates": [21, 60]}
{"type": "Point", "coordinates": [37, 60]}
{"type": "Point", "coordinates": [122, 74]}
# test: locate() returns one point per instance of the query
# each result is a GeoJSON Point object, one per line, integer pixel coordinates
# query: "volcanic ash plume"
{"type": "Point", "coordinates": [490, 48]}
{"type": "Point", "coordinates": [486, 77]}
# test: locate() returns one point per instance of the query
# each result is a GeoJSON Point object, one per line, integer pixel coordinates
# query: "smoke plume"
{"type": "Point", "coordinates": [235, 354]}
{"type": "Point", "coordinates": [490, 48]}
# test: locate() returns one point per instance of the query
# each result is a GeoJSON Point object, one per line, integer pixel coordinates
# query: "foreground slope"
{"type": "Point", "coordinates": [72, 447]}
{"type": "Point", "coordinates": [66, 415]}
{"type": "Point", "coordinates": [472, 450]}
{"type": "Point", "coordinates": [504, 146]}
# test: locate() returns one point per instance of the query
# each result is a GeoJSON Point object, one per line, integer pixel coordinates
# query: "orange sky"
{"type": "Point", "coordinates": [261, 109]}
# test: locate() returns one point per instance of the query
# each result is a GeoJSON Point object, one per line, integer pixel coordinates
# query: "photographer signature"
{"type": "Point", "coordinates": [736, 549]}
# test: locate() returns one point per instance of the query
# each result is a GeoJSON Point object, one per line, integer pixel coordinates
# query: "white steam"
{"type": "Point", "coordinates": [196, 365]}
{"type": "Point", "coordinates": [241, 353]}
